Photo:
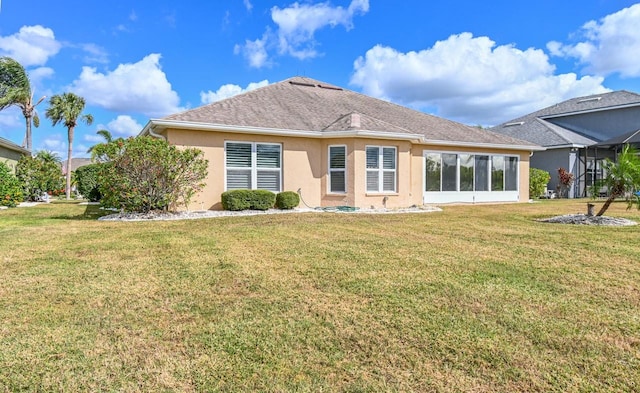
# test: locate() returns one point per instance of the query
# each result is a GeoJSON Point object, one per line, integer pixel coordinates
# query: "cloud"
{"type": "Point", "coordinates": [124, 126]}
{"type": "Point", "coordinates": [30, 46]}
{"type": "Point", "coordinates": [140, 87]}
{"type": "Point", "coordinates": [296, 28]}
{"type": "Point", "coordinates": [298, 23]}
{"type": "Point", "coordinates": [469, 79]}
{"type": "Point", "coordinates": [610, 45]}
{"type": "Point", "coordinates": [248, 5]}
{"type": "Point", "coordinates": [229, 90]}
{"type": "Point", "coordinates": [255, 52]}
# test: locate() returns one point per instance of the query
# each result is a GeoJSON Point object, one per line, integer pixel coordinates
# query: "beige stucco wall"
{"type": "Point", "coordinates": [305, 168]}
{"type": "Point", "coordinates": [10, 157]}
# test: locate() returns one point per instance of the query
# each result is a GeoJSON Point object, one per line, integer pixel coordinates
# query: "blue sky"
{"type": "Point", "coordinates": [469, 61]}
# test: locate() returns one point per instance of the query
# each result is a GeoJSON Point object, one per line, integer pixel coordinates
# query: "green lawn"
{"type": "Point", "coordinates": [474, 298]}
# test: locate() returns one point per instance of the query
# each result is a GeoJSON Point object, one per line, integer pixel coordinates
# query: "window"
{"type": "Point", "coordinates": [497, 173]}
{"type": "Point", "coordinates": [253, 166]}
{"type": "Point", "coordinates": [433, 169]}
{"type": "Point", "coordinates": [482, 173]}
{"type": "Point", "coordinates": [337, 169]}
{"type": "Point", "coordinates": [511, 174]}
{"type": "Point", "coordinates": [449, 172]}
{"type": "Point", "coordinates": [381, 169]}
{"type": "Point", "coordinates": [470, 172]}
{"type": "Point", "coordinates": [466, 172]}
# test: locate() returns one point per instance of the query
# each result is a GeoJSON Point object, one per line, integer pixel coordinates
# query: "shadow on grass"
{"type": "Point", "coordinates": [91, 213]}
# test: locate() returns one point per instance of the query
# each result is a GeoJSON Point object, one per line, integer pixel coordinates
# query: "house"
{"type": "Point", "coordinates": [337, 147]}
{"type": "Point", "coordinates": [578, 134]}
{"type": "Point", "coordinates": [10, 153]}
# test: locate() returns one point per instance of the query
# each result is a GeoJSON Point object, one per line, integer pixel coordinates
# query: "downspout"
{"type": "Point", "coordinates": [154, 134]}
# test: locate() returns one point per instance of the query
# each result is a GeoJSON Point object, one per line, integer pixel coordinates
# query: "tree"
{"type": "Point", "coordinates": [16, 89]}
{"type": "Point", "coordinates": [622, 176]}
{"type": "Point", "coordinates": [538, 180]}
{"type": "Point", "coordinates": [10, 187]}
{"type": "Point", "coordinates": [145, 174]}
{"type": "Point", "coordinates": [39, 174]}
{"type": "Point", "coordinates": [108, 138]}
{"type": "Point", "coordinates": [66, 109]}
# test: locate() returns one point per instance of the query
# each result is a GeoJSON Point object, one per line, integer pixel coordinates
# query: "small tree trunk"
{"type": "Point", "coordinates": [28, 134]}
{"type": "Point", "coordinates": [590, 209]}
{"type": "Point", "coordinates": [69, 152]}
{"type": "Point", "coordinates": [606, 205]}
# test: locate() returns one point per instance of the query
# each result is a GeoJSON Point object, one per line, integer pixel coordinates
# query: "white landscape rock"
{"type": "Point", "coordinates": [583, 219]}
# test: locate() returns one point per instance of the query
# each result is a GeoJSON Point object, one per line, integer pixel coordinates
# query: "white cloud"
{"type": "Point", "coordinates": [296, 28]}
{"type": "Point", "coordinates": [124, 126]}
{"type": "Point", "coordinates": [94, 54]}
{"type": "Point", "coordinates": [229, 90]}
{"type": "Point", "coordinates": [298, 23]}
{"type": "Point", "coordinates": [469, 79]}
{"type": "Point", "coordinates": [248, 5]}
{"type": "Point", "coordinates": [255, 51]}
{"type": "Point", "coordinates": [133, 87]}
{"type": "Point", "coordinates": [610, 45]}
{"type": "Point", "coordinates": [30, 46]}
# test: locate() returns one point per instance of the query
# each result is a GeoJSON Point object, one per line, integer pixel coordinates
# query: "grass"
{"type": "Point", "coordinates": [474, 298]}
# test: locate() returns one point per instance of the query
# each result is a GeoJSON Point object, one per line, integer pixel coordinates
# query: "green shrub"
{"type": "Point", "coordinates": [538, 180]}
{"type": "Point", "coordinates": [87, 181]}
{"type": "Point", "coordinates": [287, 200]}
{"type": "Point", "coordinates": [10, 187]}
{"type": "Point", "coordinates": [237, 200]}
{"type": "Point", "coordinates": [39, 174]}
{"type": "Point", "coordinates": [146, 174]}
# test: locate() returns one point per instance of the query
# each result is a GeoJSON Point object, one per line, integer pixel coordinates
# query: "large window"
{"type": "Point", "coordinates": [482, 173]}
{"type": "Point", "coordinates": [470, 172]}
{"type": "Point", "coordinates": [381, 169]}
{"type": "Point", "coordinates": [253, 166]}
{"type": "Point", "coordinates": [337, 169]}
{"type": "Point", "coordinates": [432, 171]}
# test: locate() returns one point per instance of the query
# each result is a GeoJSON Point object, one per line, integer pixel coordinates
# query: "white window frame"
{"type": "Point", "coordinates": [331, 170]}
{"type": "Point", "coordinates": [254, 164]}
{"type": "Point", "coordinates": [489, 170]}
{"type": "Point", "coordinates": [381, 170]}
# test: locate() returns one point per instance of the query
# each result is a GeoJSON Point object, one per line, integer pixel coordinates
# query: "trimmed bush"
{"type": "Point", "coordinates": [287, 200]}
{"type": "Point", "coordinates": [87, 180]}
{"type": "Point", "coordinates": [10, 187]}
{"type": "Point", "coordinates": [236, 200]}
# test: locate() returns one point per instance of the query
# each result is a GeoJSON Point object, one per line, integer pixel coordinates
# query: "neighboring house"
{"type": "Point", "coordinates": [75, 164]}
{"type": "Point", "coordinates": [578, 134]}
{"type": "Point", "coordinates": [10, 153]}
{"type": "Point", "coordinates": [337, 147]}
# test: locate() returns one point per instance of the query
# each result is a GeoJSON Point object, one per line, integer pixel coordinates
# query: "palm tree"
{"type": "Point", "coordinates": [66, 109]}
{"type": "Point", "coordinates": [106, 135]}
{"type": "Point", "coordinates": [621, 177]}
{"type": "Point", "coordinates": [15, 89]}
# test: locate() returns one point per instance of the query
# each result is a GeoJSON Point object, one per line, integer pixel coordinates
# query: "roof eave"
{"type": "Point", "coordinates": [14, 147]}
{"type": "Point", "coordinates": [156, 126]}
{"type": "Point", "coordinates": [606, 108]}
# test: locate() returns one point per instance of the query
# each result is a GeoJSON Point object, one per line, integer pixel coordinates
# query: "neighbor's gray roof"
{"type": "Point", "coordinates": [304, 104]}
{"type": "Point", "coordinates": [632, 137]}
{"type": "Point", "coordinates": [12, 146]}
{"type": "Point", "coordinates": [534, 128]}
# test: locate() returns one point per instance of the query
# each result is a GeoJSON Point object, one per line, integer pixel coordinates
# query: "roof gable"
{"type": "Point", "coordinates": [305, 104]}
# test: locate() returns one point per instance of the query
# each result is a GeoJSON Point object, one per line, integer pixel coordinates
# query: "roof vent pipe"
{"type": "Point", "coordinates": [355, 120]}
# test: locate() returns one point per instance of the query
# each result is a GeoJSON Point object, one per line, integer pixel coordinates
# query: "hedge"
{"type": "Point", "coordinates": [236, 200]}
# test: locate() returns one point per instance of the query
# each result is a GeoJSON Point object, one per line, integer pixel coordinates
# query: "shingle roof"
{"type": "Point", "coordinates": [10, 145]}
{"type": "Point", "coordinates": [534, 128]}
{"type": "Point", "coordinates": [305, 104]}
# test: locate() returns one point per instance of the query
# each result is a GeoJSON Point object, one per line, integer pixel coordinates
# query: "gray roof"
{"type": "Point", "coordinates": [533, 127]}
{"type": "Point", "coordinates": [12, 146]}
{"type": "Point", "coordinates": [304, 104]}
{"type": "Point", "coordinates": [632, 137]}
